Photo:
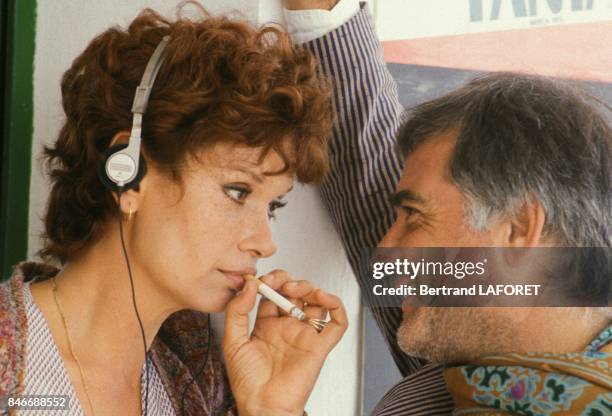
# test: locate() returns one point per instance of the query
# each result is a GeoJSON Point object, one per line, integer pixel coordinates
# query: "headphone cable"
{"type": "Point", "coordinates": [144, 340]}
{"type": "Point", "coordinates": [142, 333]}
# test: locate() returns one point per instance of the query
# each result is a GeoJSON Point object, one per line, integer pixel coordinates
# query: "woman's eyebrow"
{"type": "Point", "coordinates": [257, 177]}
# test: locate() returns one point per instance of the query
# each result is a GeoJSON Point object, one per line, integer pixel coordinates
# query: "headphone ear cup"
{"type": "Point", "coordinates": [107, 182]}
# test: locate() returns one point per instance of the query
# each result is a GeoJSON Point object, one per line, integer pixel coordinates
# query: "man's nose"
{"type": "Point", "coordinates": [258, 241]}
{"type": "Point", "coordinates": [391, 239]}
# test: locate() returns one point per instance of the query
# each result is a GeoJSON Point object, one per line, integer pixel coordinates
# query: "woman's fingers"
{"type": "Point", "coordinates": [267, 309]}
{"type": "Point", "coordinates": [338, 322]}
{"type": "Point", "coordinates": [316, 312]}
{"type": "Point", "coordinates": [297, 289]}
{"type": "Point", "coordinates": [236, 331]}
{"type": "Point", "coordinates": [282, 282]}
{"type": "Point", "coordinates": [315, 303]}
{"type": "Point", "coordinates": [276, 278]}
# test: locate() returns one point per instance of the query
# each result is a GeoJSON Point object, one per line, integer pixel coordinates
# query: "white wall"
{"type": "Point", "coordinates": [308, 248]}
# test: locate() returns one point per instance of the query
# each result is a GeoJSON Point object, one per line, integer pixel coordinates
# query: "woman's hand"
{"type": "Point", "coordinates": [309, 4]}
{"type": "Point", "coordinates": [273, 371]}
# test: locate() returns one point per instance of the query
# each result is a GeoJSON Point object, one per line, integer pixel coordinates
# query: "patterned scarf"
{"type": "Point", "coordinates": [535, 384]}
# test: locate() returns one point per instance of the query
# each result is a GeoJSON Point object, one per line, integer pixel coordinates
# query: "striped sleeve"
{"type": "Point", "coordinates": [364, 165]}
{"type": "Point", "coordinates": [421, 394]}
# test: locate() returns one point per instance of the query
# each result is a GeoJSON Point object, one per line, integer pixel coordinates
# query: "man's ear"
{"type": "Point", "coordinates": [527, 227]}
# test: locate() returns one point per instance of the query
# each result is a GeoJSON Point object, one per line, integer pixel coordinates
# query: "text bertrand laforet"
{"type": "Point", "coordinates": [458, 270]}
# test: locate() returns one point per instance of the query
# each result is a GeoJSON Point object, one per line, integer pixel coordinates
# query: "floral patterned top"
{"type": "Point", "coordinates": [176, 352]}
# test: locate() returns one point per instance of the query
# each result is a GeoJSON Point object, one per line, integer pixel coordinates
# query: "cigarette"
{"type": "Point", "coordinates": [276, 298]}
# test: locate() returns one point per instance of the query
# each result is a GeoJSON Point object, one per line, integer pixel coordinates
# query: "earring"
{"type": "Point", "coordinates": [128, 217]}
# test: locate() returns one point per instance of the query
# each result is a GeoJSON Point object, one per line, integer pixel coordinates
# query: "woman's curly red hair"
{"type": "Point", "coordinates": [222, 80]}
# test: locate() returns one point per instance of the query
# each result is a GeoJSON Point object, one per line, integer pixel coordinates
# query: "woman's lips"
{"type": "Point", "coordinates": [235, 278]}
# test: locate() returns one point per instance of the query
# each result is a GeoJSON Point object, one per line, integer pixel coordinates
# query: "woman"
{"type": "Point", "coordinates": [235, 113]}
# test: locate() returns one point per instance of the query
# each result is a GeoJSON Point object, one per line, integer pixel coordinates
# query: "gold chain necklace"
{"type": "Point", "coordinates": [74, 356]}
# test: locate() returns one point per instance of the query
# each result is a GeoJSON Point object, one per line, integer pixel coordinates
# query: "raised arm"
{"type": "Point", "coordinates": [364, 165]}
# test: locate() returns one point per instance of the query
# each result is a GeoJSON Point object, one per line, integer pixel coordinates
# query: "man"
{"type": "Point", "coordinates": [507, 160]}
{"type": "Point", "coordinates": [510, 161]}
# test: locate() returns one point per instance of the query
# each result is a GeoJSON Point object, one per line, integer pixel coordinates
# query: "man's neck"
{"type": "Point", "coordinates": [563, 330]}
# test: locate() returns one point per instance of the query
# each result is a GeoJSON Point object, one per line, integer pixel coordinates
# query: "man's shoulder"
{"type": "Point", "coordinates": [409, 394]}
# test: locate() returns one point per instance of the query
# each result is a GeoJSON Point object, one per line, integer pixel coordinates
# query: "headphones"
{"type": "Point", "coordinates": [122, 166]}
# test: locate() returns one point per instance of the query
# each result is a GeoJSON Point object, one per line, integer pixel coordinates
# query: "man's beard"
{"type": "Point", "coordinates": [454, 335]}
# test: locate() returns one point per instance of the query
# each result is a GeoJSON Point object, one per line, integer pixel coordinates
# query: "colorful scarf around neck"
{"type": "Point", "coordinates": [536, 384]}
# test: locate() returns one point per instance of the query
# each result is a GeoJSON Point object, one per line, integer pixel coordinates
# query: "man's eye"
{"type": "Point", "coordinates": [408, 211]}
{"type": "Point", "coordinates": [237, 193]}
{"type": "Point", "coordinates": [274, 205]}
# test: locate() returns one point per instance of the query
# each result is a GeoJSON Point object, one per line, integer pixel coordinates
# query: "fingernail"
{"type": "Point", "coordinates": [291, 285]}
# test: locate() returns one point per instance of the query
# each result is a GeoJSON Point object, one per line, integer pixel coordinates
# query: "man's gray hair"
{"type": "Point", "coordinates": [522, 139]}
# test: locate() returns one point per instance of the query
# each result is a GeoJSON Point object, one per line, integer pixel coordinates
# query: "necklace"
{"type": "Point", "coordinates": [72, 353]}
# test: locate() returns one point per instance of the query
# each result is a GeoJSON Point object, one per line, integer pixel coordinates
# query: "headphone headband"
{"type": "Point", "coordinates": [122, 167]}
{"type": "Point", "coordinates": [141, 98]}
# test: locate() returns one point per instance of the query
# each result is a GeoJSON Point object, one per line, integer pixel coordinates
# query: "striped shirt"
{"type": "Point", "coordinates": [45, 373]}
{"type": "Point", "coordinates": [365, 169]}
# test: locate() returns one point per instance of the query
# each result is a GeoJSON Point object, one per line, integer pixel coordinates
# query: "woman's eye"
{"type": "Point", "coordinates": [237, 193]}
{"type": "Point", "coordinates": [274, 205]}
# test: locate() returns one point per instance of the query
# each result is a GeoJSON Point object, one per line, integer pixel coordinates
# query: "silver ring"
{"type": "Point", "coordinates": [318, 324]}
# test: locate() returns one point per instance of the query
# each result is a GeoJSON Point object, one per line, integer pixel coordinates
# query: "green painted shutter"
{"type": "Point", "coordinates": [17, 35]}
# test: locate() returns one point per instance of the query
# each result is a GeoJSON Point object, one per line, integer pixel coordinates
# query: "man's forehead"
{"type": "Point", "coordinates": [427, 165]}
